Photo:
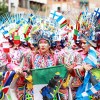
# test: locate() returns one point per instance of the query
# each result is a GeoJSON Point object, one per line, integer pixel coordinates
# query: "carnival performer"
{"type": "Point", "coordinates": [74, 62]}
{"type": "Point", "coordinates": [4, 54]}
{"type": "Point", "coordinates": [89, 62]}
{"type": "Point", "coordinates": [45, 57]}
{"type": "Point", "coordinates": [15, 62]}
{"type": "Point", "coordinates": [16, 56]}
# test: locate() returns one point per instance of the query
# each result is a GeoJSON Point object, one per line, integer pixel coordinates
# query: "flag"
{"type": "Point", "coordinates": [91, 59]}
{"type": "Point", "coordinates": [54, 14]}
{"type": "Point", "coordinates": [25, 28]}
{"type": "Point", "coordinates": [97, 12]}
{"type": "Point", "coordinates": [63, 23]}
{"type": "Point", "coordinates": [85, 95]}
{"type": "Point", "coordinates": [17, 40]}
{"type": "Point", "coordinates": [66, 21]}
{"type": "Point", "coordinates": [26, 35]}
{"type": "Point", "coordinates": [60, 19]}
{"type": "Point", "coordinates": [57, 16]}
{"type": "Point", "coordinates": [75, 34]}
{"type": "Point", "coordinates": [77, 25]}
{"type": "Point", "coordinates": [75, 31]}
{"type": "Point", "coordinates": [6, 47]}
{"type": "Point", "coordinates": [8, 77]}
{"type": "Point", "coordinates": [41, 78]}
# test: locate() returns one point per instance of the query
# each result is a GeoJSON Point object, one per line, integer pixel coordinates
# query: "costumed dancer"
{"type": "Point", "coordinates": [4, 54]}
{"type": "Point", "coordinates": [43, 57]}
{"type": "Point", "coordinates": [89, 62]}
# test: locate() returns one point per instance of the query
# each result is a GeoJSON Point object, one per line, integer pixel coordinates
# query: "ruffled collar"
{"type": "Point", "coordinates": [45, 54]}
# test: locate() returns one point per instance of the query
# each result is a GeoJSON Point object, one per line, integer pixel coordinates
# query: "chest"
{"type": "Point", "coordinates": [15, 54]}
{"type": "Point", "coordinates": [43, 61]}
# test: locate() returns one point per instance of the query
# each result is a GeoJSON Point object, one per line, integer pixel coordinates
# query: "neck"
{"type": "Point", "coordinates": [44, 53]}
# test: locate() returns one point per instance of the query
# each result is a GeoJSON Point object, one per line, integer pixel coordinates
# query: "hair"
{"type": "Point", "coordinates": [78, 43]}
{"type": "Point", "coordinates": [11, 42]}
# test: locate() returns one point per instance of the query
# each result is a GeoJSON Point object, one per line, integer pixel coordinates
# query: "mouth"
{"type": "Point", "coordinates": [83, 48]}
{"type": "Point", "coordinates": [43, 48]}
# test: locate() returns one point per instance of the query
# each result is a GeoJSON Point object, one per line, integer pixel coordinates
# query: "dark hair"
{"type": "Point", "coordinates": [78, 43]}
{"type": "Point", "coordinates": [11, 42]}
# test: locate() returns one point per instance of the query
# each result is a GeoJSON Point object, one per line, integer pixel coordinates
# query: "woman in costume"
{"type": "Point", "coordinates": [4, 54]}
{"type": "Point", "coordinates": [45, 57]}
{"type": "Point", "coordinates": [89, 62]}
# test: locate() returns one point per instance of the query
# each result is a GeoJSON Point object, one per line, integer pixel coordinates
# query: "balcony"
{"type": "Point", "coordinates": [40, 1]}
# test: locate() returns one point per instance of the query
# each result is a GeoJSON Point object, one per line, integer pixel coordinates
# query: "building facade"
{"type": "Point", "coordinates": [57, 5]}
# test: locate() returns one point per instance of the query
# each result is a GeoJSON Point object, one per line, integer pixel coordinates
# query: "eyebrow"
{"type": "Point", "coordinates": [83, 41]}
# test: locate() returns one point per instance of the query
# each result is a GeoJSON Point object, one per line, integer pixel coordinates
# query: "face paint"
{"type": "Point", "coordinates": [85, 46]}
{"type": "Point", "coordinates": [44, 45]}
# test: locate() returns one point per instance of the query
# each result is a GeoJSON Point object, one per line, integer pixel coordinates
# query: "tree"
{"type": "Point", "coordinates": [3, 7]}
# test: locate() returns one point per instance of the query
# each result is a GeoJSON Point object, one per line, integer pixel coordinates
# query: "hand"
{"type": "Point", "coordinates": [87, 67]}
{"type": "Point", "coordinates": [18, 70]}
{"type": "Point", "coordinates": [69, 67]}
{"type": "Point", "coordinates": [81, 68]}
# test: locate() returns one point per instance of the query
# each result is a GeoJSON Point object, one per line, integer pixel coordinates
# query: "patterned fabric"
{"type": "Point", "coordinates": [3, 58]}
{"type": "Point", "coordinates": [16, 57]}
{"type": "Point", "coordinates": [72, 56]}
{"type": "Point", "coordinates": [22, 90]}
{"type": "Point", "coordinates": [86, 88]}
{"type": "Point", "coordinates": [42, 61]}
{"type": "Point", "coordinates": [35, 61]}
{"type": "Point", "coordinates": [91, 57]}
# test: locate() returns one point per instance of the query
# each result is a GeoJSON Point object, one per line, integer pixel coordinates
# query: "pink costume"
{"type": "Point", "coordinates": [70, 56]}
{"type": "Point", "coordinates": [41, 61]}
{"type": "Point", "coordinates": [16, 57]}
{"type": "Point", "coordinates": [4, 57]}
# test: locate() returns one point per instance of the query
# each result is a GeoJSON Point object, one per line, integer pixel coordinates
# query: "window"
{"type": "Point", "coordinates": [59, 9]}
{"type": "Point", "coordinates": [54, 0]}
{"type": "Point", "coordinates": [84, 3]}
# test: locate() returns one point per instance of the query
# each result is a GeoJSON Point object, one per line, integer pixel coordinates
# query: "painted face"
{"type": "Point", "coordinates": [16, 46]}
{"type": "Point", "coordinates": [58, 46]}
{"type": "Point", "coordinates": [44, 45]}
{"type": "Point", "coordinates": [85, 46]}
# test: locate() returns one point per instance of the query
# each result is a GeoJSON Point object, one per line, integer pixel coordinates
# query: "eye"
{"type": "Point", "coordinates": [46, 42]}
{"type": "Point", "coordinates": [40, 42]}
{"type": "Point", "coordinates": [84, 42]}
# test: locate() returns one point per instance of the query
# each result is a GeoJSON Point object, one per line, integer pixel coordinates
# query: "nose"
{"type": "Point", "coordinates": [83, 45]}
{"type": "Point", "coordinates": [42, 45]}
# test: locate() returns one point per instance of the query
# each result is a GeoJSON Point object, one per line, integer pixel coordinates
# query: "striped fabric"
{"type": "Point", "coordinates": [86, 89]}
{"type": "Point", "coordinates": [91, 58]}
{"type": "Point", "coordinates": [94, 89]}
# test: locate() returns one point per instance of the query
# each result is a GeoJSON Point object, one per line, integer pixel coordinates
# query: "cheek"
{"type": "Point", "coordinates": [46, 45]}
{"type": "Point", "coordinates": [43, 45]}
{"type": "Point", "coordinates": [86, 48]}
